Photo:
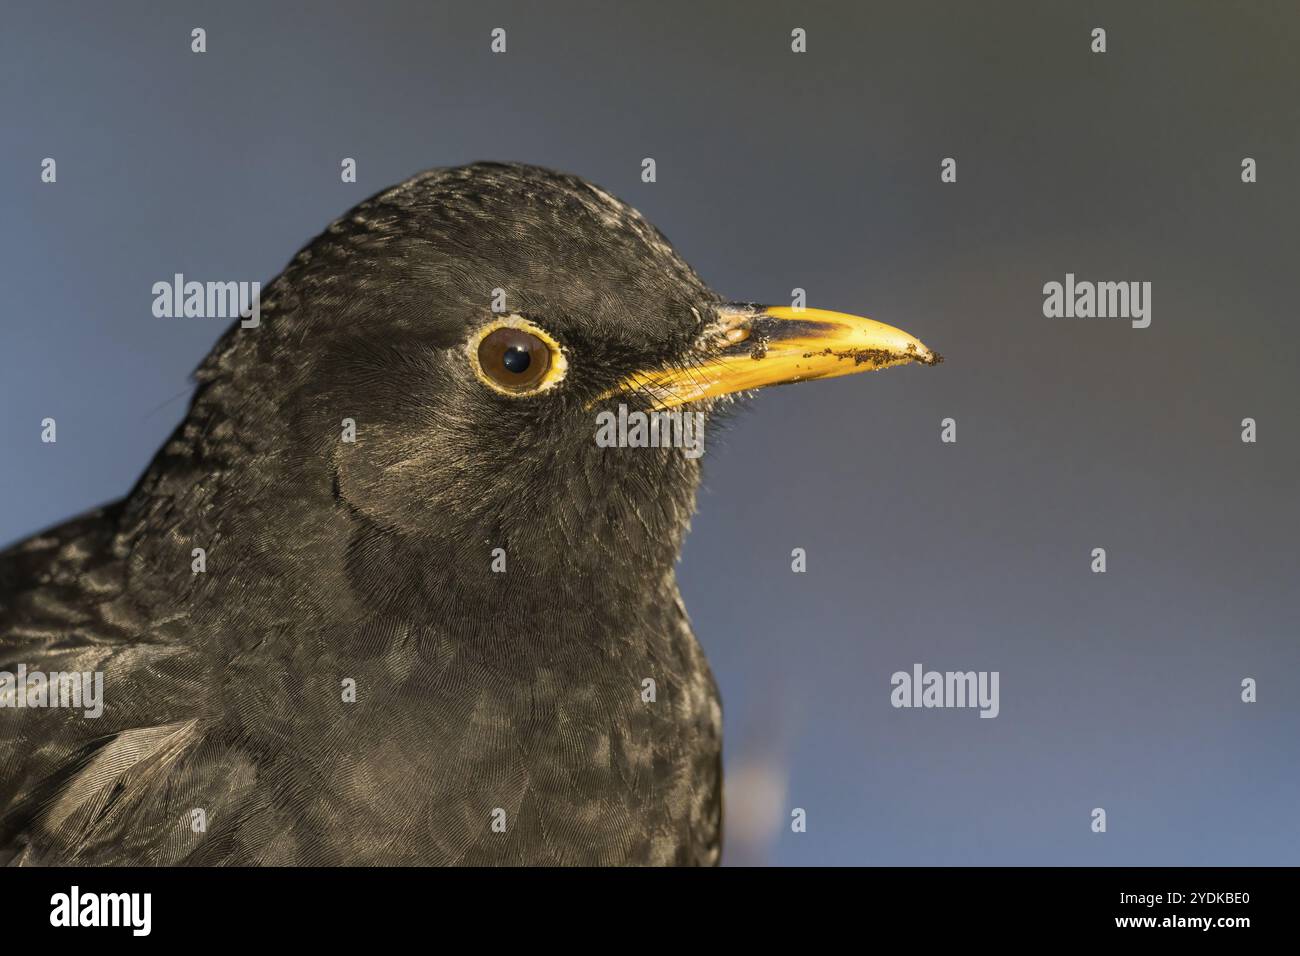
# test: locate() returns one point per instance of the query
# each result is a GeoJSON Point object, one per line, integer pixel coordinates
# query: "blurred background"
{"type": "Point", "coordinates": [778, 170]}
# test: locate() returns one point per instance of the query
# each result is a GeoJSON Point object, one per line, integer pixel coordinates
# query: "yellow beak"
{"type": "Point", "coordinates": [754, 346]}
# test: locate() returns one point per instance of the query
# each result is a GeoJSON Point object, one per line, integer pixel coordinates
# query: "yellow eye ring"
{"type": "Point", "coordinates": [516, 357]}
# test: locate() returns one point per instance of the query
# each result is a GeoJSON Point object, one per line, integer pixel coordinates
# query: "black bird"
{"type": "Point", "coordinates": [428, 606]}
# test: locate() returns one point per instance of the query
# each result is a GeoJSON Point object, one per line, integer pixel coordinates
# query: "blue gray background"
{"type": "Point", "coordinates": [820, 171]}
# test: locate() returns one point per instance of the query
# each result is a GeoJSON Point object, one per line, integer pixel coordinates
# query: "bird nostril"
{"type": "Point", "coordinates": [736, 334]}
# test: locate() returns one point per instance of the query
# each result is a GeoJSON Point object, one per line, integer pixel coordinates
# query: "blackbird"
{"type": "Point", "coordinates": [381, 598]}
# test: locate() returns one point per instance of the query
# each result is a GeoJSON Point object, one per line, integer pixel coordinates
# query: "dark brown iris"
{"type": "Point", "coordinates": [514, 359]}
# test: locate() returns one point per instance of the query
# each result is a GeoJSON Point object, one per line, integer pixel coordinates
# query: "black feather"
{"type": "Point", "coordinates": [371, 561]}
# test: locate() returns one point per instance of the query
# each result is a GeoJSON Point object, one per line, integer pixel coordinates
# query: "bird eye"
{"type": "Point", "coordinates": [516, 357]}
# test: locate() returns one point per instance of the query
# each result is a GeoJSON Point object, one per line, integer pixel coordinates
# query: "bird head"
{"type": "Point", "coordinates": [473, 323]}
